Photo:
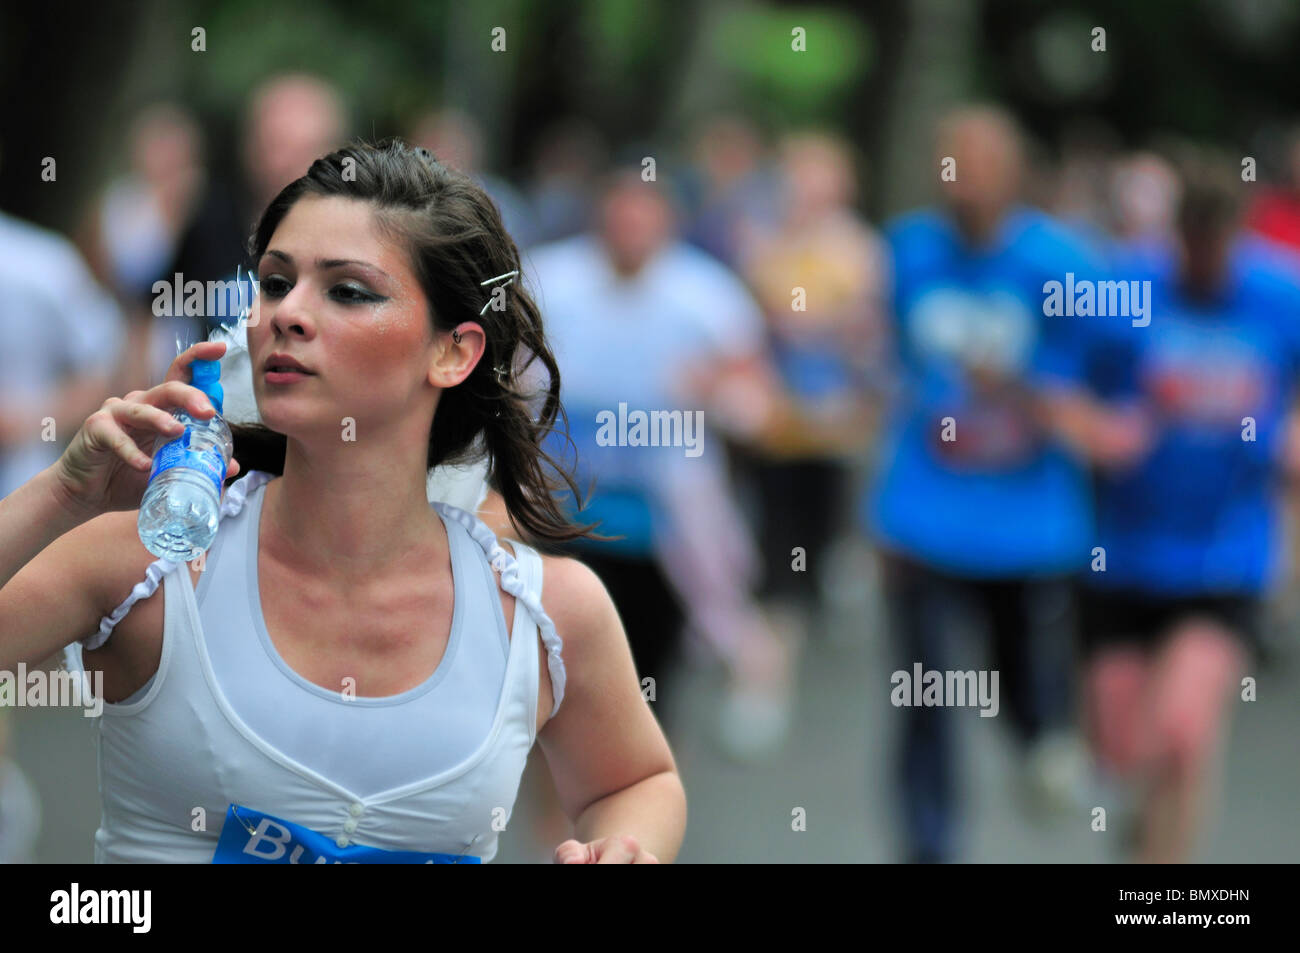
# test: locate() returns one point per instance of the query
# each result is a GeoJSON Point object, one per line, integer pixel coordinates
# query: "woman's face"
{"type": "Point", "coordinates": [341, 300]}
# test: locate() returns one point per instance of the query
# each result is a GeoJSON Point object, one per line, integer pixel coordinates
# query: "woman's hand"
{"type": "Point", "coordinates": [621, 849]}
{"type": "Point", "coordinates": [106, 466]}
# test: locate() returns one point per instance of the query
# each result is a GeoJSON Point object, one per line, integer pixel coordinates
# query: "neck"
{"type": "Point", "coordinates": [627, 270]}
{"type": "Point", "coordinates": [980, 237]}
{"type": "Point", "coordinates": [978, 231]}
{"type": "Point", "coordinates": [804, 218]}
{"type": "Point", "coordinates": [340, 513]}
{"type": "Point", "coordinates": [1203, 288]}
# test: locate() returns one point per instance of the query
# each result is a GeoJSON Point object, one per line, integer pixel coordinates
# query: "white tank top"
{"type": "Point", "coordinates": [225, 721]}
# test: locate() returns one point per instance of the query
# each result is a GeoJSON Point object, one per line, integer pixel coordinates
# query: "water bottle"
{"type": "Point", "coordinates": [182, 503]}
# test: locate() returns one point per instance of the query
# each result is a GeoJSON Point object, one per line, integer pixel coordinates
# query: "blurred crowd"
{"type": "Point", "coordinates": [886, 411]}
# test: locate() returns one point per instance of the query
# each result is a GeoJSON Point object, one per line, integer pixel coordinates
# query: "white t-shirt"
{"type": "Point", "coordinates": [629, 339]}
{"type": "Point", "coordinates": [624, 347]}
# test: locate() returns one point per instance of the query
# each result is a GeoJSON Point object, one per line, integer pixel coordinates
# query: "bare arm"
{"type": "Point", "coordinates": [650, 815]}
{"type": "Point", "coordinates": [742, 393]}
{"type": "Point", "coordinates": [1106, 435]}
{"type": "Point", "coordinates": [54, 577]}
{"type": "Point", "coordinates": [60, 533]}
{"type": "Point", "coordinates": [613, 769]}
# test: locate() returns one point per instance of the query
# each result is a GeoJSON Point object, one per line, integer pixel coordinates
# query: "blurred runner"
{"type": "Point", "coordinates": [981, 517]}
{"type": "Point", "coordinates": [457, 139]}
{"type": "Point", "coordinates": [733, 187]}
{"type": "Point", "coordinates": [821, 277]}
{"type": "Point", "coordinates": [568, 155]}
{"type": "Point", "coordinates": [644, 323]}
{"type": "Point", "coordinates": [61, 337]}
{"type": "Point", "coordinates": [290, 120]}
{"type": "Point", "coordinates": [1144, 195]}
{"type": "Point", "coordinates": [1189, 522]}
{"type": "Point", "coordinates": [1080, 198]}
{"type": "Point", "coordinates": [136, 225]}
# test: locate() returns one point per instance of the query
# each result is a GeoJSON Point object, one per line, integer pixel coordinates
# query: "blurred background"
{"type": "Point", "coordinates": [769, 265]}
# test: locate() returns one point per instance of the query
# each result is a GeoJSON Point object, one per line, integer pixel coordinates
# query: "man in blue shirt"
{"type": "Point", "coordinates": [978, 506]}
{"type": "Point", "coordinates": [1188, 525]}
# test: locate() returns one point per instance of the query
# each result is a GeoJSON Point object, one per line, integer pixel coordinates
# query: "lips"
{"type": "Point", "coordinates": [283, 363]}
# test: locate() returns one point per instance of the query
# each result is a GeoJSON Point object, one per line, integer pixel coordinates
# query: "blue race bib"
{"type": "Point", "coordinates": [251, 837]}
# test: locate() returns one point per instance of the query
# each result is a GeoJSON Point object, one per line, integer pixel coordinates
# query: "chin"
{"type": "Point", "coordinates": [278, 415]}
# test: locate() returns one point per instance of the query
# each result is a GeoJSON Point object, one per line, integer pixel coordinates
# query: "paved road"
{"type": "Point", "coordinates": [833, 766]}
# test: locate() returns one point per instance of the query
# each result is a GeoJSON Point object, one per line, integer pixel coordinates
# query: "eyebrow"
{"type": "Point", "coordinates": [327, 262]}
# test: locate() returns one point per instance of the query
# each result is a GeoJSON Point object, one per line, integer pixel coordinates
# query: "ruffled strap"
{"type": "Point", "coordinates": [237, 493]}
{"type": "Point", "coordinates": [142, 590]}
{"type": "Point", "coordinates": [231, 503]}
{"type": "Point", "coordinates": [507, 567]}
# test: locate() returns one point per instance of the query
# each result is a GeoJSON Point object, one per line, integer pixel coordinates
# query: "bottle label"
{"type": "Point", "coordinates": [179, 453]}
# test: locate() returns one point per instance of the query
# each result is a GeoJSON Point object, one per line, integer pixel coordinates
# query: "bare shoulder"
{"type": "Point", "coordinates": [580, 609]}
{"type": "Point", "coordinates": [577, 602]}
{"type": "Point", "coordinates": [131, 655]}
{"type": "Point", "coordinates": [594, 646]}
{"type": "Point", "coordinates": [604, 737]}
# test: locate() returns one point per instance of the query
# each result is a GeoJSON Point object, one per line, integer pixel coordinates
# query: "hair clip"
{"type": "Point", "coordinates": [509, 276]}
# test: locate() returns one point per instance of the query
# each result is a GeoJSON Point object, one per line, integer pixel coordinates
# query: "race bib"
{"type": "Point", "coordinates": [251, 837]}
{"type": "Point", "coordinates": [1213, 395]}
{"type": "Point", "coordinates": [989, 437]}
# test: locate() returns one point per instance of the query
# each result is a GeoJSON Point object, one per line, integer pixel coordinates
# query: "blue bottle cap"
{"type": "Point", "coordinates": [206, 376]}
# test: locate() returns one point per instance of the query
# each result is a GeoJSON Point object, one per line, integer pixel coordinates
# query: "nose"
{"type": "Point", "coordinates": [291, 316]}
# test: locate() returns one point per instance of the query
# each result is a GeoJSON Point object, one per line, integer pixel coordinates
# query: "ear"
{"type": "Point", "coordinates": [454, 360]}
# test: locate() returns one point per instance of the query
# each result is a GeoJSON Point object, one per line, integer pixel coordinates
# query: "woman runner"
{"type": "Point", "coordinates": [339, 680]}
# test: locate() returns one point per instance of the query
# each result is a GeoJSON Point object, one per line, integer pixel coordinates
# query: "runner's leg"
{"type": "Point", "coordinates": [1192, 680]}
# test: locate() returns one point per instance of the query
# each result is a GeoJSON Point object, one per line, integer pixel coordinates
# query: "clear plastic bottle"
{"type": "Point", "coordinates": [182, 504]}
